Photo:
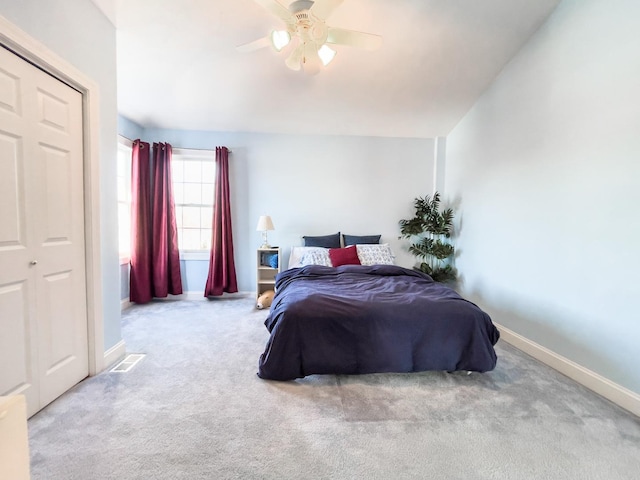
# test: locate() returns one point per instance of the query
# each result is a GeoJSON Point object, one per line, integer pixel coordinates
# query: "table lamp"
{"type": "Point", "coordinates": [265, 224]}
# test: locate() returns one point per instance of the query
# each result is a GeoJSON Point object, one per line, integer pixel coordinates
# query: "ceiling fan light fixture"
{"type": "Point", "coordinates": [294, 60]}
{"type": "Point", "coordinates": [280, 39]}
{"type": "Point", "coordinates": [326, 54]}
{"type": "Point", "coordinates": [311, 36]}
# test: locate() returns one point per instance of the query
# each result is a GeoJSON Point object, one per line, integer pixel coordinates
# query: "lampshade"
{"type": "Point", "coordinates": [280, 39]}
{"type": "Point", "coordinates": [264, 224]}
{"type": "Point", "coordinates": [326, 54]}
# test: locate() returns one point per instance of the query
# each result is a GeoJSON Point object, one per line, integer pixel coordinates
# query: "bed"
{"type": "Point", "coordinates": [358, 319]}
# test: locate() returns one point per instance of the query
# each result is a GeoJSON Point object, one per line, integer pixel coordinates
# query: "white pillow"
{"type": "Point", "coordinates": [296, 256]}
{"type": "Point", "coordinates": [375, 254]}
{"type": "Point", "coordinates": [298, 253]}
{"type": "Point", "coordinates": [316, 256]}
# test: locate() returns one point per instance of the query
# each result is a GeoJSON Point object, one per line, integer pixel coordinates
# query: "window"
{"type": "Point", "coordinates": [124, 198]}
{"type": "Point", "coordinates": [193, 177]}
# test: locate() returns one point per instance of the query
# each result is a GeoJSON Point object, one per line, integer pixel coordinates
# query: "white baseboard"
{"type": "Point", "coordinates": [602, 386]}
{"type": "Point", "coordinates": [125, 303]}
{"type": "Point", "coordinates": [114, 354]}
{"type": "Point", "coordinates": [199, 295]}
{"type": "Point", "coordinates": [192, 295]}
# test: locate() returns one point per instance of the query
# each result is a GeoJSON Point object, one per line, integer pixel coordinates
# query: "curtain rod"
{"type": "Point", "coordinates": [199, 149]}
{"type": "Point", "coordinates": [186, 148]}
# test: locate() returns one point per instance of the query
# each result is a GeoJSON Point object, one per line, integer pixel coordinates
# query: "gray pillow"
{"type": "Point", "coordinates": [325, 241]}
{"type": "Point", "coordinates": [360, 239]}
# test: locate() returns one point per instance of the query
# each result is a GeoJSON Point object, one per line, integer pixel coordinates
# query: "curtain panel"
{"type": "Point", "coordinates": [140, 274]}
{"type": "Point", "coordinates": [222, 270]}
{"type": "Point", "coordinates": [164, 252]}
{"type": "Point", "coordinates": [155, 260]}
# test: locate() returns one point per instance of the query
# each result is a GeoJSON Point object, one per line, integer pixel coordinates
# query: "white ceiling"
{"type": "Point", "coordinates": [178, 67]}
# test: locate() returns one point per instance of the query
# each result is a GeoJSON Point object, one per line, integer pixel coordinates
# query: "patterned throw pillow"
{"type": "Point", "coordinates": [316, 256]}
{"type": "Point", "coordinates": [375, 254]}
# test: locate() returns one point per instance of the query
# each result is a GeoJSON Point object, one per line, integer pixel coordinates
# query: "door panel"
{"type": "Point", "coordinates": [63, 349]}
{"type": "Point", "coordinates": [12, 228]}
{"type": "Point", "coordinates": [19, 368]}
{"type": "Point", "coordinates": [61, 365]}
{"type": "Point", "coordinates": [57, 209]}
{"type": "Point", "coordinates": [57, 296]}
{"type": "Point", "coordinates": [9, 88]}
{"type": "Point", "coordinates": [15, 339]}
{"type": "Point", "coordinates": [54, 112]}
{"type": "Point", "coordinates": [42, 246]}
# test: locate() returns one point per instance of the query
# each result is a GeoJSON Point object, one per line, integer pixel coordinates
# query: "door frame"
{"type": "Point", "coordinates": [42, 57]}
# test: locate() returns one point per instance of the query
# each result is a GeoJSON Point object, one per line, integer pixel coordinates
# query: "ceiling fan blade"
{"type": "Point", "coordinates": [367, 41]}
{"type": "Point", "coordinates": [311, 62]}
{"type": "Point", "coordinates": [255, 45]}
{"type": "Point", "coordinates": [294, 61]}
{"type": "Point", "coordinates": [277, 9]}
{"type": "Point", "coordinates": [324, 8]}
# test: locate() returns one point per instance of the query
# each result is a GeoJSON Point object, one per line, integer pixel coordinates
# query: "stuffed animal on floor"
{"type": "Point", "coordinates": [264, 300]}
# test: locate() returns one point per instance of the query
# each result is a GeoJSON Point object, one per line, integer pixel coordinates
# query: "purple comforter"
{"type": "Point", "coordinates": [366, 319]}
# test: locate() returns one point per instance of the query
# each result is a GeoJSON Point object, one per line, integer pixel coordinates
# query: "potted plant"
{"type": "Point", "coordinates": [429, 231]}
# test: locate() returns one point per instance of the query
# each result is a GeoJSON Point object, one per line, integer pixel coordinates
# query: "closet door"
{"type": "Point", "coordinates": [43, 316]}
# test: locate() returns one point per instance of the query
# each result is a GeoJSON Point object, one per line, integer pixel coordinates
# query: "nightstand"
{"type": "Point", "coordinates": [266, 273]}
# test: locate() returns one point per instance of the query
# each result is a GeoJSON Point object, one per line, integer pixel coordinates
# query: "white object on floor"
{"type": "Point", "coordinates": [14, 443]}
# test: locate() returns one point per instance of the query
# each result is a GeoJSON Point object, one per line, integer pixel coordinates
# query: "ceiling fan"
{"type": "Point", "coordinates": [308, 34]}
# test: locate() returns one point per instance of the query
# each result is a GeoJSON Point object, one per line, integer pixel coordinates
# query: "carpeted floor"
{"type": "Point", "coordinates": [195, 409]}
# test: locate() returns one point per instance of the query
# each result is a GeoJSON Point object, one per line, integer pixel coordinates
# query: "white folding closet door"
{"type": "Point", "coordinates": [43, 315]}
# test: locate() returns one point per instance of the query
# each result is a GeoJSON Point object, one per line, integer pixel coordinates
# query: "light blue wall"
{"type": "Point", "coordinates": [124, 282]}
{"type": "Point", "coordinates": [129, 129]}
{"type": "Point", "coordinates": [80, 34]}
{"type": "Point", "coordinates": [194, 275]}
{"type": "Point", "coordinates": [311, 185]}
{"type": "Point", "coordinates": [546, 172]}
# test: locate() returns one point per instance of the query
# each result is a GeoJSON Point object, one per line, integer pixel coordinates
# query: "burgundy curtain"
{"type": "Point", "coordinates": [222, 269]}
{"type": "Point", "coordinates": [165, 255]}
{"type": "Point", "coordinates": [140, 274]}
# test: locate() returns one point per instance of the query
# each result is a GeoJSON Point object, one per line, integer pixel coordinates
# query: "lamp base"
{"type": "Point", "coordinates": [265, 242]}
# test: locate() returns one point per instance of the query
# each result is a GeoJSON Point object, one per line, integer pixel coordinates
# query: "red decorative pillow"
{"type": "Point", "coordinates": [344, 256]}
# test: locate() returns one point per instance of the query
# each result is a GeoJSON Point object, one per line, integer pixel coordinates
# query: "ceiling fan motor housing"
{"type": "Point", "coordinates": [300, 6]}
{"type": "Point", "coordinates": [307, 26]}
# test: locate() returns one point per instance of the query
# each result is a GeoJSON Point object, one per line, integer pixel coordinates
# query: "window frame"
{"type": "Point", "coordinates": [202, 155]}
{"type": "Point", "coordinates": [124, 143]}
